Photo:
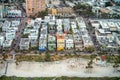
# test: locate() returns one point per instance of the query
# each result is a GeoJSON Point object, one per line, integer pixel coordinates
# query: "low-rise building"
{"type": "Point", "coordinates": [54, 2]}
{"type": "Point", "coordinates": [87, 41]}
{"type": "Point", "coordinates": [78, 42]}
{"type": "Point", "coordinates": [14, 13]}
{"type": "Point", "coordinates": [61, 10]}
{"type": "Point", "coordinates": [6, 25]}
{"type": "Point", "coordinates": [33, 43]}
{"type": "Point", "coordinates": [15, 23]}
{"type": "Point", "coordinates": [107, 34]}
{"type": "Point", "coordinates": [7, 43]}
{"type": "Point", "coordinates": [1, 40]}
{"type": "Point", "coordinates": [1, 24]}
{"type": "Point", "coordinates": [59, 29]}
{"type": "Point", "coordinates": [51, 43]}
{"type": "Point", "coordinates": [10, 36]}
{"type": "Point", "coordinates": [60, 42]}
{"type": "Point", "coordinates": [95, 24]}
{"type": "Point", "coordinates": [24, 44]}
{"type": "Point", "coordinates": [69, 43]}
{"type": "Point", "coordinates": [81, 23]}
{"type": "Point", "coordinates": [33, 34]}
{"type": "Point", "coordinates": [59, 21]}
{"type": "Point", "coordinates": [43, 43]}
{"type": "Point", "coordinates": [66, 24]}
{"type": "Point", "coordinates": [71, 4]}
{"type": "Point", "coordinates": [52, 29]}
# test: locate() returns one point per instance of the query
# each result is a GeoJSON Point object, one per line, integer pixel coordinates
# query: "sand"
{"type": "Point", "coordinates": [70, 67]}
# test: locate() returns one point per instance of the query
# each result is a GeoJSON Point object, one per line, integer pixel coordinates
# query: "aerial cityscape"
{"type": "Point", "coordinates": [59, 39]}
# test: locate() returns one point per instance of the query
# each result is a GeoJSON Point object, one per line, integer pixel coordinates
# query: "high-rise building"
{"type": "Point", "coordinates": [35, 6]}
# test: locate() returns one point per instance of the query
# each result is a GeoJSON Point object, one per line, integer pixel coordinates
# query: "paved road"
{"type": "Point", "coordinates": [16, 42]}
{"type": "Point", "coordinates": [91, 32]}
{"type": "Point", "coordinates": [6, 67]}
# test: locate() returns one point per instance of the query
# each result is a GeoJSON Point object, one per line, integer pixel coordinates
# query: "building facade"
{"type": "Point", "coordinates": [51, 43]}
{"type": "Point", "coordinates": [34, 6]}
{"type": "Point", "coordinates": [60, 42]}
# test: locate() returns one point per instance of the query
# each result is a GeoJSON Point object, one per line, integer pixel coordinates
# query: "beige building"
{"type": "Point", "coordinates": [34, 6]}
{"type": "Point", "coordinates": [53, 2]}
{"type": "Point", "coordinates": [61, 11]}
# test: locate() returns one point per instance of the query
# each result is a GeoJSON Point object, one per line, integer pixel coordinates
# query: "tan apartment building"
{"type": "Point", "coordinates": [35, 6]}
{"type": "Point", "coordinates": [61, 11]}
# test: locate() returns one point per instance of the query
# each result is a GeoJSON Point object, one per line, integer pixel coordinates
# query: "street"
{"type": "Point", "coordinates": [16, 42]}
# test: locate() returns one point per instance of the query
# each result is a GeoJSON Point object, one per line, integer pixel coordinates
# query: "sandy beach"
{"type": "Point", "coordinates": [70, 67]}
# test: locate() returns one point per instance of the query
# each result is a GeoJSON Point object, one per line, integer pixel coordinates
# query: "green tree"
{"type": "Point", "coordinates": [89, 49]}
{"type": "Point", "coordinates": [3, 77]}
{"type": "Point", "coordinates": [32, 17]}
{"type": "Point", "coordinates": [47, 57]}
{"type": "Point", "coordinates": [71, 31]}
{"type": "Point", "coordinates": [116, 63]}
{"type": "Point", "coordinates": [0, 29]}
{"type": "Point", "coordinates": [63, 1]}
{"type": "Point", "coordinates": [63, 28]}
{"type": "Point", "coordinates": [42, 13]}
{"type": "Point", "coordinates": [25, 35]}
{"type": "Point", "coordinates": [21, 1]}
{"type": "Point", "coordinates": [104, 15]}
{"type": "Point", "coordinates": [89, 66]}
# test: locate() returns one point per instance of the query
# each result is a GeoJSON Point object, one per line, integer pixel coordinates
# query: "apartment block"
{"type": "Point", "coordinates": [34, 6]}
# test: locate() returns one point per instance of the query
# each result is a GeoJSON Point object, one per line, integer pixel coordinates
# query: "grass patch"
{"type": "Point", "coordinates": [58, 78]}
{"type": "Point", "coordinates": [43, 57]}
{"type": "Point", "coordinates": [57, 57]}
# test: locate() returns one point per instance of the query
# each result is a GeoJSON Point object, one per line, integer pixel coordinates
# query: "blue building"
{"type": "Point", "coordinates": [42, 43]}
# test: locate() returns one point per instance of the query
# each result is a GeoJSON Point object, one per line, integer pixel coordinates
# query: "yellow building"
{"type": "Point", "coordinates": [54, 11]}
{"type": "Point", "coordinates": [61, 11]}
{"type": "Point", "coordinates": [60, 42]}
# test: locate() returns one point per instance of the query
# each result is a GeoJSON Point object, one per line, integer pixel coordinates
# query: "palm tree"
{"type": "Point", "coordinates": [116, 63]}
{"type": "Point", "coordinates": [115, 66]}
{"type": "Point", "coordinates": [89, 66]}
{"type": "Point", "coordinates": [5, 56]}
{"type": "Point", "coordinates": [47, 57]}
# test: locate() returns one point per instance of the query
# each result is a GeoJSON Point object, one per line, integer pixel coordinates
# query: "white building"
{"type": "Point", "coordinates": [10, 36]}
{"type": "Point", "coordinates": [78, 42]}
{"type": "Point", "coordinates": [87, 41]}
{"type": "Point", "coordinates": [95, 24]}
{"type": "Point", "coordinates": [15, 23]}
{"type": "Point", "coordinates": [33, 35]}
{"type": "Point", "coordinates": [1, 40]}
{"type": "Point", "coordinates": [73, 25]}
{"type": "Point", "coordinates": [24, 44]}
{"type": "Point", "coordinates": [70, 4]}
{"type": "Point", "coordinates": [80, 22]}
{"type": "Point", "coordinates": [1, 24]}
{"type": "Point", "coordinates": [7, 43]}
{"type": "Point", "coordinates": [59, 22]}
{"type": "Point", "coordinates": [59, 29]}
{"type": "Point", "coordinates": [14, 13]}
{"type": "Point", "coordinates": [112, 26]}
{"type": "Point", "coordinates": [117, 39]}
{"type": "Point", "coordinates": [69, 43]}
{"type": "Point", "coordinates": [6, 25]}
{"type": "Point", "coordinates": [43, 43]}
